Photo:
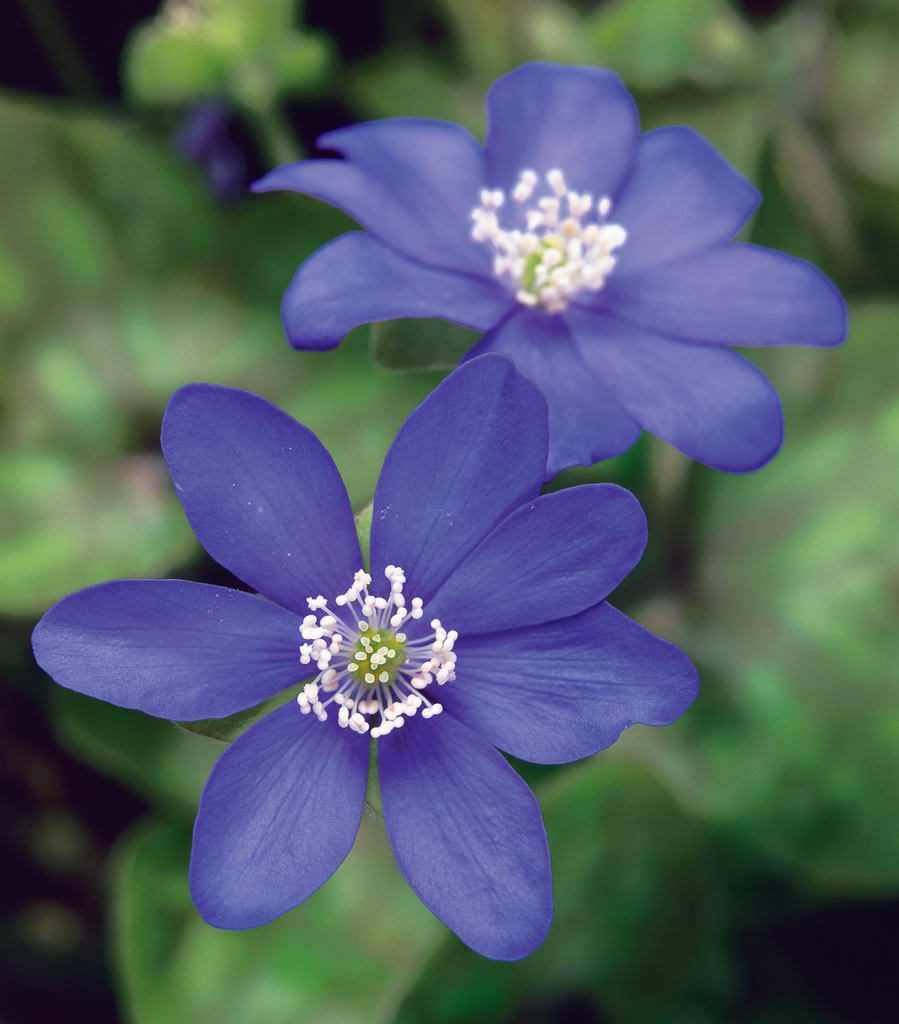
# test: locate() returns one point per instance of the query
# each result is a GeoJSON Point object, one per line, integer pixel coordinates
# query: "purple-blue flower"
{"type": "Point", "coordinates": [202, 137]}
{"type": "Point", "coordinates": [599, 259]}
{"type": "Point", "coordinates": [482, 626]}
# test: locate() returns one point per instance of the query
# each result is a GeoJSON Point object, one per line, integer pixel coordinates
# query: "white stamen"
{"type": "Point", "coordinates": [557, 256]}
{"type": "Point", "coordinates": [525, 187]}
{"type": "Point", "coordinates": [370, 669]}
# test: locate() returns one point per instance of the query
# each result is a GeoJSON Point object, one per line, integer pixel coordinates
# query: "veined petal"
{"type": "Point", "coordinates": [586, 424]}
{"type": "Point", "coordinates": [261, 493]}
{"type": "Point", "coordinates": [470, 453]}
{"type": "Point", "coordinates": [467, 835]}
{"type": "Point", "coordinates": [356, 279]}
{"type": "Point", "coordinates": [170, 648]}
{"type": "Point", "coordinates": [682, 196]}
{"type": "Point", "coordinates": [579, 119]}
{"type": "Point", "coordinates": [278, 815]}
{"type": "Point", "coordinates": [550, 559]}
{"type": "Point", "coordinates": [734, 294]}
{"type": "Point", "coordinates": [705, 400]}
{"type": "Point", "coordinates": [412, 182]}
{"type": "Point", "coordinates": [564, 690]}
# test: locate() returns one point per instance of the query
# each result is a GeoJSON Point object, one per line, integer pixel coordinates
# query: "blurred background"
{"type": "Point", "coordinates": [739, 866]}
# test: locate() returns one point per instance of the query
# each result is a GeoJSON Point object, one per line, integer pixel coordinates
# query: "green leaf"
{"type": "Point", "coordinates": [654, 46]}
{"type": "Point", "coordinates": [172, 69]}
{"type": "Point", "coordinates": [339, 958]}
{"type": "Point", "coordinates": [245, 48]}
{"type": "Point", "coordinates": [414, 344]}
{"type": "Point", "coordinates": [799, 648]}
{"type": "Point", "coordinates": [122, 301]}
{"type": "Point", "coordinates": [149, 755]}
{"type": "Point", "coordinates": [228, 729]}
{"type": "Point", "coordinates": [629, 933]}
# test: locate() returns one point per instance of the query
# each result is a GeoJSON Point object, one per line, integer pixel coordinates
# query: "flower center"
{"type": "Point", "coordinates": [563, 248]}
{"type": "Point", "coordinates": [368, 668]}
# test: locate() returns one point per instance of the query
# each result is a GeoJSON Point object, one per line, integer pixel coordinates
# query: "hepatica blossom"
{"type": "Point", "coordinates": [481, 627]}
{"type": "Point", "coordinates": [599, 259]}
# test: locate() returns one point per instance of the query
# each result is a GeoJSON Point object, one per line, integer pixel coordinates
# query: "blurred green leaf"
{"type": "Point", "coordinates": [864, 100]}
{"type": "Point", "coordinates": [340, 958]}
{"type": "Point", "coordinates": [797, 572]}
{"type": "Point", "coordinates": [413, 344]}
{"type": "Point", "coordinates": [654, 46]}
{"type": "Point", "coordinates": [173, 69]}
{"type": "Point", "coordinates": [631, 931]}
{"type": "Point", "coordinates": [248, 50]}
{"type": "Point", "coordinates": [228, 729]}
{"type": "Point", "coordinates": [150, 755]}
{"type": "Point", "coordinates": [133, 284]}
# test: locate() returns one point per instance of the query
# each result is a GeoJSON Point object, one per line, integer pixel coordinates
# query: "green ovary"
{"type": "Point", "coordinates": [377, 654]}
{"type": "Point", "coordinates": [529, 275]}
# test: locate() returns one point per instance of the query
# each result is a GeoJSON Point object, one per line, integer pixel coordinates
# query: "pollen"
{"type": "Point", "coordinates": [367, 666]}
{"type": "Point", "coordinates": [565, 246]}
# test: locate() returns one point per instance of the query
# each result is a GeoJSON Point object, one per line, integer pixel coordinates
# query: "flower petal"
{"type": "Point", "coordinates": [356, 279]}
{"type": "Point", "coordinates": [470, 453]}
{"type": "Point", "coordinates": [579, 119]}
{"type": "Point", "coordinates": [551, 558]}
{"type": "Point", "coordinates": [170, 648]}
{"type": "Point", "coordinates": [682, 196]}
{"type": "Point", "coordinates": [262, 494]}
{"type": "Point", "coordinates": [467, 835]}
{"type": "Point", "coordinates": [705, 400]}
{"type": "Point", "coordinates": [410, 181]}
{"type": "Point", "coordinates": [564, 690]}
{"type": "Point", "coordinates": [586, 424]}
{"type": "Point", "coordinates": [277, 817]}
{"type": "Point", "coordinates": [734, 295]}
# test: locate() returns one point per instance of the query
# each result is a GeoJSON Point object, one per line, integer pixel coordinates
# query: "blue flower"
{"type": "Point", "coordinates": [600, 260]}
{"type": "Point", "coordinates": [202, 137]}
{"type": "Point", "coordinates": [483, 625]}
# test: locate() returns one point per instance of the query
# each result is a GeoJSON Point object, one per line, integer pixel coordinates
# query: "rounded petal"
{"type": "Point", "coordinates": [682, 196]}
{"type": "Point", "coordinates": [356, 279]}
{"type": "Point", "coordinates": [410, 181]}
{"type": "Point", "coordinates": [470, 453]}
{"type": "Point", "coordinates": [277, 817]}
{"type": "Point", "coordinates": [170, 648]}
{"type": "Point", "coordinates": [579, 119]}
{"type": "Point", "coordinates": [733, 295]}
{"type": "Point", "coordinates": [467, 835]}
{"type": "Point", "coordinates": [551, 558]}
{"type": "Point", "coordinates": [705, 400]}
{"type": "Point", "coordinates": [586, 424]}
{"type": "Point", "coordinates": [564, 690]}
{"type": "Point", "coordinates": [261, 493]}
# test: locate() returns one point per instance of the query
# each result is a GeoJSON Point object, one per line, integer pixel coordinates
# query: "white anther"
{"type": "Point", "coordinates": [525, 187]}
{"type": "Point", "coordinates": [556, 181]}
{"type": "Point", "coordinates": [534, 219]}
{"type": "Point", "coordinates": [579, 205]}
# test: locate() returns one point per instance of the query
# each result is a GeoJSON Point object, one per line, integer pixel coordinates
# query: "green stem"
{"type": "Point", "coordinates": [60, 47]}
{"type": "Point", "coordinates": [279, 143]}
